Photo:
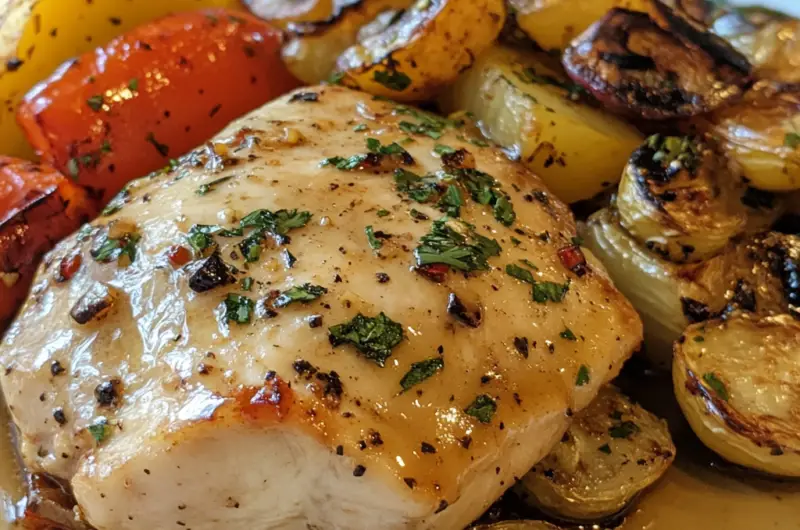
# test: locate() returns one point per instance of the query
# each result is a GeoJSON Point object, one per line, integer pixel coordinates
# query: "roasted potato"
{"type": "Point", "coordinates": [152, 94]}
{"type": "Point", "coordinates": [552, 24]}
{"type": "Point", "coordinates": [314, 46]}
{"type": "Point", "coordinates": [656, 65]}
{"type": "Point", "coordinates": [612, 451]}
{"type": "Point", "coordinates": [762, 135]}
{"type": "Point", "coordinates": [424, 50]}
{"type": "Point", "coordinates": [738, 383]}
{"type": "Point", "coordinates": [36, 36]}
{"type": "Point", "coordinates": [38, 207]}
{"type": "Point", "coordinates": [535, 113]}
{"type": "Point", "coordinates": [679, 198]}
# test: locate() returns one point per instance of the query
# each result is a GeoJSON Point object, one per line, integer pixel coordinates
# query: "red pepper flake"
{"type": "Point", "coordinates": [178, 256]}
{"type": "Point", "coordinates": [435, 272]}
{"type": "Point", "coordinates": [572, 258]}
{"type": "Point", "coordinates": [68, 266]}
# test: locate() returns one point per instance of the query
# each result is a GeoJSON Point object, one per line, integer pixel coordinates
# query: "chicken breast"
{"type": "Point", "coordinates": [281, 330]}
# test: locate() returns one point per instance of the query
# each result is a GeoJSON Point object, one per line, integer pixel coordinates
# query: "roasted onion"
{"type": "Point", "coordinates": [518, 525]}
{"type": "Point", "coordinates": [423, 50]}
{"type": "Point", "coordinates": [284, 11]}
{"type": "Point", "coordinates": [738, 383]}
{"type": "Point", "coordinates": [314, 46]}
{"type": "Point", "coordinates": [656, 65]}
{"type": "Point", "coordinates": [761, 134]}
{"type": "Point", "coordinates": [613, 450]}
{"type": "Point", "coordinates": [678, 197]}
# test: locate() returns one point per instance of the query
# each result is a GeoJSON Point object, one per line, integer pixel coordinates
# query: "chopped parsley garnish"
{"type": "Point", "coordinates": [521, 274]}
{"type": "Point", "coordinates": [440, 149]}
{"type": "Point", "coordinates": [484, 190]}
{"type": "Point", "coordinates": [374, 146]}
{"type": "Point", "coordinates": [199, 236]}
{"type": "Point", "coordinates": [419, 189]}
{"type": "Point", "coordinates": [583, 376]}
{"type": "Point", "coordinates": [382, 213]}
{"type": "Point", "coordinates": [95, 103]}
{"type": "Point", "coordinates": [529, 263]}
{"type": "Point", "coordinates": [344, 164]}
{"type": "Point", "coordinates": [516, 242]}
{"type": "Point", "coordinates": [451, 202]}
{"type": "Point", "coordinates": [577, 241]}
{"type": "Point", "coordinates": [429, 124]}
{"type": "Point", "coordinates": [567, 334]}
{"type": "Point", "coordinates": [100, 430]}
{"type": "Point", "coordinates": [279, 222]}
{"type": "Point", "coordinates": [116, 204]}
{"type": "Point", "coordinates": [133, 84]}
{"type": "Point", "coordinates": [463, 249]}
{"type": "Point", "coordinates": [374, 242]}
{"type": "Point", "coordinates": [392, 79]}
{"type": "Point", "coordinates": [114, 249]}
{"type": "Point", "coordinates": [699, 338]}
{"type": "Point", "coordinates": [792, 140]}
{"type": "Point", "coordinates": [247, 284]}
{"type": "Point", "coordinates": [374, 337]}
{"type": "Point", "coordinates": [421, 371]}
{"type": "Point", "coordinates": [360, 127]}
{"type": "Point", "coordinates": [544, 292]}
{"type": "Point", "coordinates": [623, 430]}
{"type": "Point", "coordinates": [483, 408]}
{"type": "Point", "coordinates": [716, 385]}
{"type": "Point", "coordinates": [425, 129]}
{"type": "Point", "coordinates": [210, 186]}
{"type": "Point", "coordinates": [238, 308]}
{"type": "Point", "coordinates": [302, 293]}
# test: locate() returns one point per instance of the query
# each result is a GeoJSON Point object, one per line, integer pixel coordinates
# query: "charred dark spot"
{"type": "Point", "coordinates": [427, 448]}
{"type": "Point", "coordinates": [93, 305]}
{"type": "Point", "coordinates": [59, 416]}
{"type": "Point", "coordinates": [694, 310]}
{"type": "Point", "coordinates": [304, 368]}
{"type": "Point", "coordinates": [758, 199]}
{"type": "Point", "coordinates": [521, 344]}
{"type": "Point", "coordinates": [333, 387]}
{"type": "Point", "coordinates": [209, 274]}
{"type": "Point", "coordinates": [56, 368]}
{"type": "Point", "coordinates": [470, 317]}
{"type": "Point", "coordinates": [107, 393]}
{"type": "Point", "coordinates": [304, 96]}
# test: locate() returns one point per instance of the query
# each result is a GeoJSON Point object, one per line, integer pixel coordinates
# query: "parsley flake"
{"type": "Point", "coordinates": [100, 430]}
{"type": "Point", "coordinates": [583, 376]}
{"type": "Point", "coordinates": [792, 140]}
{"type": "Point", "coordinates": [210, 186]}
{"type": "Point", "coordinates": [373, 337]}
{"type": "Point", "coordinates": [624, 430]}
{"type": "Point", "coordinates": [483, 408]}
{"type": "Point", "coordinates": [95, 103]}
{"type": "Point", "coordinates": [300, 293]}
{"type": "Point", "coordinates": [567, 334]}
{"type": "Point", "coordinates": [716, 385]}
{"type": "Point", "coordinates": [374, 242]}
{"type": "Point", "coordinates": [392, 79]}
{"type": "Point", "coordinates": [456, 244]}
{"type": "Point", "coordinates": [440, 149]}
{"type": "Point", "coordinates": [421, 371]}
{"type": "Point", "coordinates": [238, 308]}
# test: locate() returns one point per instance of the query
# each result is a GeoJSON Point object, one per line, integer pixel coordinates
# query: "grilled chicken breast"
{"type": "Point", "coordinates": [283, 329]}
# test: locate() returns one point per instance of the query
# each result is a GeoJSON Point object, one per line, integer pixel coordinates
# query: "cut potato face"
{"type": "Point", "coordinates": [738, 384]}
{"type": "Point", "coordinates": [554, 23]}
{"type": "Point", "coordinates": [530, 109]}
{"type": "Point", "coordinates": [613, 450]}
{"type": "Point", "coordinates": [314, 46]}
{"type": "Point", "coordinates": [426, 49]}
{"type": "Point", "coordinates": [36, 36]}
{"type": "Point", "coordinates": [678, 197]}
{"type": "Point", "coordinates": [762, 135]}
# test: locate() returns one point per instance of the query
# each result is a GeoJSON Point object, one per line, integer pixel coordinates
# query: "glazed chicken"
{"type": "Point", "coordinates": [341, 313]}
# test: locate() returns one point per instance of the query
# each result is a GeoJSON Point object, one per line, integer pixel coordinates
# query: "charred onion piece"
{"type": "Point", "coordinates": [678, 197]}
{"type": "Point", "coordinates": [613, 450]}
{"type": "Point", "coordinates": [285, 11]}
{"type": "Point", "coordinates": [655, 66]}
{"type": "Point", "coordinates": [762, 135]}
{"type": "Point", "coordinates": [738, 384]}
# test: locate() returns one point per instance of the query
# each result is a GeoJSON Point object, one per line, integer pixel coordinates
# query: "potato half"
{"type": "Point", "coordinates": [314, 46]}
{"type": "Point", "coordinates": [36, 36]}
{"type": "Point", "coordinates": [535, 113]}
{"type": "Point", "coordinates": [738, 384]}
{"type": "Point", "coordinates": [554, 23]}
{"type": "Point", "coordinates": [613, 450]}
{"type": "Point", "coordinates": [424, 49]}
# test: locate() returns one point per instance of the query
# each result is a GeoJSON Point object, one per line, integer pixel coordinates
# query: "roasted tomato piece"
{"type": "Point", "coordinates": [656, 65]}
{"type": "Point", "coordinates": [124, 110]}
{"type": "Point", "coordinates": [38, 206]}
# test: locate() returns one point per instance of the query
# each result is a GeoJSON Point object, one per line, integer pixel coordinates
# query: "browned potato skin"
{"type": "Point", "coordinates": [627, 60]}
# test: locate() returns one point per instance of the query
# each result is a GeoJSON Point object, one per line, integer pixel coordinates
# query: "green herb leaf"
{"type": "Point", "coordinates": [577, 241]}
{"type": "Point", "coordinates": [451, 202]}
{"type": "Point", "coordinates": [360, 127]}
{"type": "Point", "coordinates": [210, 186]}
{"type": "Point", "coordinates": [112, 249]}
{"type": "Point", "coordinates": [344, 164]}
{"type": "Point", "coordinates": [716, 385]}
{"type": "Point", "coordinates": [247, 284]}
{"type": "Point", "coordinates": [238, 308]}
{"type": "Point", "coordinates": [392, 79]}
{"type": "Point", "coordinates": [792, 140]}
{"type": "Point", "coordinates": [374, 242]}
{"type": "Point", "coordinates": [567, 334]}
{"type": "Point", "coordinates": [440, 149]}
{"type": "Point", "coordinates": [302, 293]}
{"type": "Point", "coordinates": [100, 431]}
{"type": "Point", "coordinates": [623, 430]}
{"type": "Point", "coordinates": [463, 249]}
{"type": "Point", "coordinates": [422, 129]}
{"type": "Point", "coordinates": [95, 103]}
{"type": "Point", "coordinates": [421, 371]}
{"type": "Point", "coordinates": [529, 263]}
{"type": "Point", "coordinates": [699, 338]}
{"type": "Point", "coordinates": [374, 146]}
{"type": "Point", "coordinates": [483, 408]}
{"type": "Point", "coordinates": [484, 189]}
{"type": "Point", "coordinates": [418, 189]}
{"type": "Point", "coordinates": [280, 222]}
{"type": "Point", "coordinates": [544, 292]}
{"type": "Point", "coordinates": [382, 213]}
{"type": "Point", "coordinates": [133, 84]}
{"type": "Point", "coordinates": [583, 375]}
{"type": "Point", "coordinates": [521, 274]}
{"type": "Point", "coordinates": [374, 337]}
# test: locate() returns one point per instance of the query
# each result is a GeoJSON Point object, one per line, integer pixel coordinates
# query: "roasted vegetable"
{"type": "Point", "coordinates": [670, 296]}
{"type": "Point", "coordinates": [518, 525]}
{"type": "Point", "coordinates": [534, 111]}
{"type": "Point", "coordinates": [552, 24]}
{"type": "Point", "coordinates": [762, 135]}
{"type": "Point", "coordinates": [124, 110]}
{"type": "Point", "coordinates": [613, 450]}
{"type": "Point", "coordinates": [770, 40]}
{"type": "Point", "coordinates": [656, 65]}
{"type": "Point", "coordinates": [738, 383]}
{"type": "Point", "coordinates": [287, 11]}
{"type": "Point", "coordinates": [38, 35]}
{"type": "Point", "coordinates": [679, 198]}
{"type": "Point", "coordinates": [38, 207]}
{"type": "Point", "coordinates": [314, 46]}
{"type": "Point", "coordinates": [424, 50]}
